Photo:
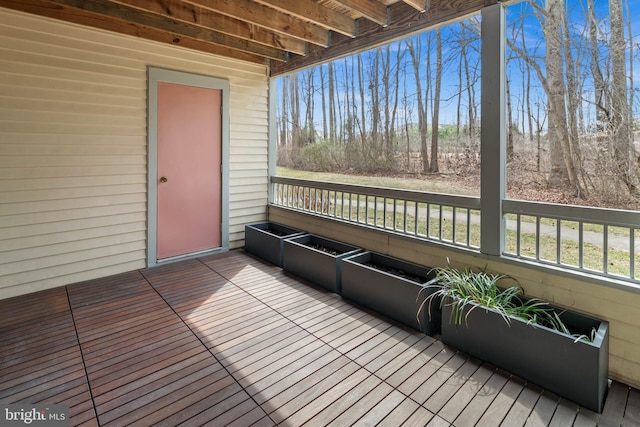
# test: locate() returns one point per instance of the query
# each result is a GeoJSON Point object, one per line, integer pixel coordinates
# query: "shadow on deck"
{"type": "Point", "coordinates": [228, 339]}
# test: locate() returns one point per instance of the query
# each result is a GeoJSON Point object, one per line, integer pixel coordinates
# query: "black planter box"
{"type": "Point", "coordinates": [265, 240]}
{"type": "Point", "coordinates": [576, 370]}
{"type": "Point", "coordinates": [315, 265]}
{"type": "Point", "coordinates": [381, 288]}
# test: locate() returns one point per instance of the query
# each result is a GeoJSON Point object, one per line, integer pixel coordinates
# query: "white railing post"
{"type": "Point", "coordinates": [493, 132]}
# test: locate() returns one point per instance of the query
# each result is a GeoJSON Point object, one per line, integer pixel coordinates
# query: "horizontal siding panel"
{"type": "Point", "coordinates": [624, 370]}
{"type": "Point", "coordinates": [60, 47]}
{"type": "Point", "coordinates": [45, 87]}
{"type": "Point", "coordinates": [14, 257]}
{"type": "Point", "coordinates": [248, 204]}
{"type": "Point", "coordinates": [70, 150]}
{"type": "Point", "coordinates": [69, 64]}
{"type": "Point", "coordinates": [249, 211]}
{"type": "Point", "coordinates": [64, 118]}
{"type": "Point", "coordinates": [70, 76]}
{"type": "Point", "coordinates": [70, 231]}
{"type": "Point", "coordinates": [69, 193]}
{"type": "Point", "coordinates": [111, 267]}
{"type": "Point", "coordinates": [138, 141]}
{"type": "Point", "coordinates": [70, 128]}
{"type": "Point", "coordinates": [242, 196]}
{"type": "Point", "coordinates": [102, 262]}
{"type": "Point", "coordinates": [32, 92]}
{"type": "Point", "coordinates": [40, 217]}
{"type": "Point", "coordinates": [8, 173]}
{"type": "Point", "coordinates": [65, 106]}
{"type": "Point", "coordinates": [246, 128]}
{"type": "Point", "coordinates": [56, 205]}
{"type": "Point", "coordinates": [70, 182]}
{"type": "Point", "coordinates": [106, 160]}
{"type": "Point", "coordinates": [77, 256]}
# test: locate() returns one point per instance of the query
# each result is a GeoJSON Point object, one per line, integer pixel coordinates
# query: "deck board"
{"type": "Point", "coordinates": [230, 340]}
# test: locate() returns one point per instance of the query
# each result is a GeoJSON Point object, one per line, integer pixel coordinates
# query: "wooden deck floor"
{"type": "Point", "coordinates": [230, 340]}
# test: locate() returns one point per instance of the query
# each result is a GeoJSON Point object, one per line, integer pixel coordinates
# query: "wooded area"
{"type": "Point", "coordinates": [572, 108]}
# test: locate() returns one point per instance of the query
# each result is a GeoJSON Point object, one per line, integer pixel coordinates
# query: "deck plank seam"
{"type": "Point", "coordinates": [84, 363]}
{"type": "Point", "coordinates": [200, 340]}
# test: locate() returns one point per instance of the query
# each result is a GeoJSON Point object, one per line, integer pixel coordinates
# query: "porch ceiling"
{"type": "Point", "coordinates": [287, 34]}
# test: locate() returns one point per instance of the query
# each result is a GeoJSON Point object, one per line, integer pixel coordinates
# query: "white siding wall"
{"type": "Point", "coordinates": [73, 148]}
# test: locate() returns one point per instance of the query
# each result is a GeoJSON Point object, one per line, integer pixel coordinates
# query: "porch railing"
{"type": "Point", "coordinates": [447, 219]}
{"type": "Point", "coordinates": [604, 242]}
{"type": "Point", "coordinates": [597, 241]}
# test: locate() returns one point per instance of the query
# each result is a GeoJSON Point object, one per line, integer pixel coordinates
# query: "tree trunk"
{"type": "Point", "coordinates": [332, 105]}
{"type": "Point", "coordinates": [324, 103]}
{"type": "Point", "coordinates": [433, 166]}
{"type": "Point", "coordinates": [599, 85]}
{"type": "Point", "coordinates": [562, 163]}
{"type": "Point", "coordinates": [295, 116]}
{"type": "Point", "coordinates": [573, 99]}
{"type": "Point", "coordinates": [620, 129]}
{"type": "Point", "coordinates": [363, 123]}
{"type": "Point", "coordinates": [394, 111]}
{"type": "Point", "coordinates": [509, 121]}
{"type": "Point", "coordinates": [414, 52]}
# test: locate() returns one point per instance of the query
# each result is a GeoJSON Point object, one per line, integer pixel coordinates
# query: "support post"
{"type": "Point", "coordinates": [272, 144]}
{"type": "Point", "coordinates": [493, 132]}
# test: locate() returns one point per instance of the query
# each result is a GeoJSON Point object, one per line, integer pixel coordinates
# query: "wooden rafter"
{"type": "Point", "coordinates": [318, 14]}
{"type": "Point", "coordinates": [373, 10]}
{"type": "Point", "coordinates": [249, 11]}
{"type": "Point", "coordinates": [419, 5]}
{"type": "Point", "coordinates": [199, 16]}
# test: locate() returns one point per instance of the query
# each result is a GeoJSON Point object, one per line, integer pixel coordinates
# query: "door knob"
{"type": "Point", "coordinates": [164, 179]}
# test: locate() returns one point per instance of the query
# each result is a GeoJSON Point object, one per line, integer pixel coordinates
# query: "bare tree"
{"type": "Point", "coordinates": [620, 127]}
{"type": "Point", "coordinates": [323, 96]}
{"type": "Point", "coordinates": [415, 53]}
{"type": "Point", "coordinates": [332, 104]}
{"type": "Point", "coordinates": [295, 115]}
{"type": "Point", "coordinates": [392, 133]}
{"type": "Point", "coordinates": [435, 123]}
{"type": "Point", "coordinates": [573, 97]}
{"type": "Point", "coordinates": [563, 168]}
{"type": "Point", "coordinates": [284, 112]}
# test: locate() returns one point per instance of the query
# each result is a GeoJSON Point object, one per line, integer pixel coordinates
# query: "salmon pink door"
{"type": "Point", "coordinates": [189, 169]}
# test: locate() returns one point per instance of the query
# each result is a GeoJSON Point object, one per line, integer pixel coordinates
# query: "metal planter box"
{"type": "Point", "coordinates": [385, 284]}
{"type": "Point", "coordinates": [576, 370]}
{"type": "Point", "coordinates": [265, 240]}
{"type": "Point", "coordinates": [319, 266]}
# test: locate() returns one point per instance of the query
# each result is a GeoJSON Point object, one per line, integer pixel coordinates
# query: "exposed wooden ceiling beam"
{"type": "Point", "coordinates": [373, 10]}
{"type": "Point", "coordinates": [419, 5]}
{"type": "Point", "coordinates": [405, 20]}
{"type": "Point", "coordinates": [318, 14]}
{"type": "Point", "coordinates": [221, 23]}
{"type": "Point", "coordinates": [136, 16]}
{"type": "Point", "coordinates": [248, 11]}
{"type": "Point", "coordinates": [56, 10]}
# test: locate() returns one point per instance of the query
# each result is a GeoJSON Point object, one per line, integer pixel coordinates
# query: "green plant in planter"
{"type": "Point", "coordinates": [468, 289]}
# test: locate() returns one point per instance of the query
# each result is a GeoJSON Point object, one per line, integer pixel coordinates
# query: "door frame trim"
{"type": "Point", "coordinates": [154, 76]}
